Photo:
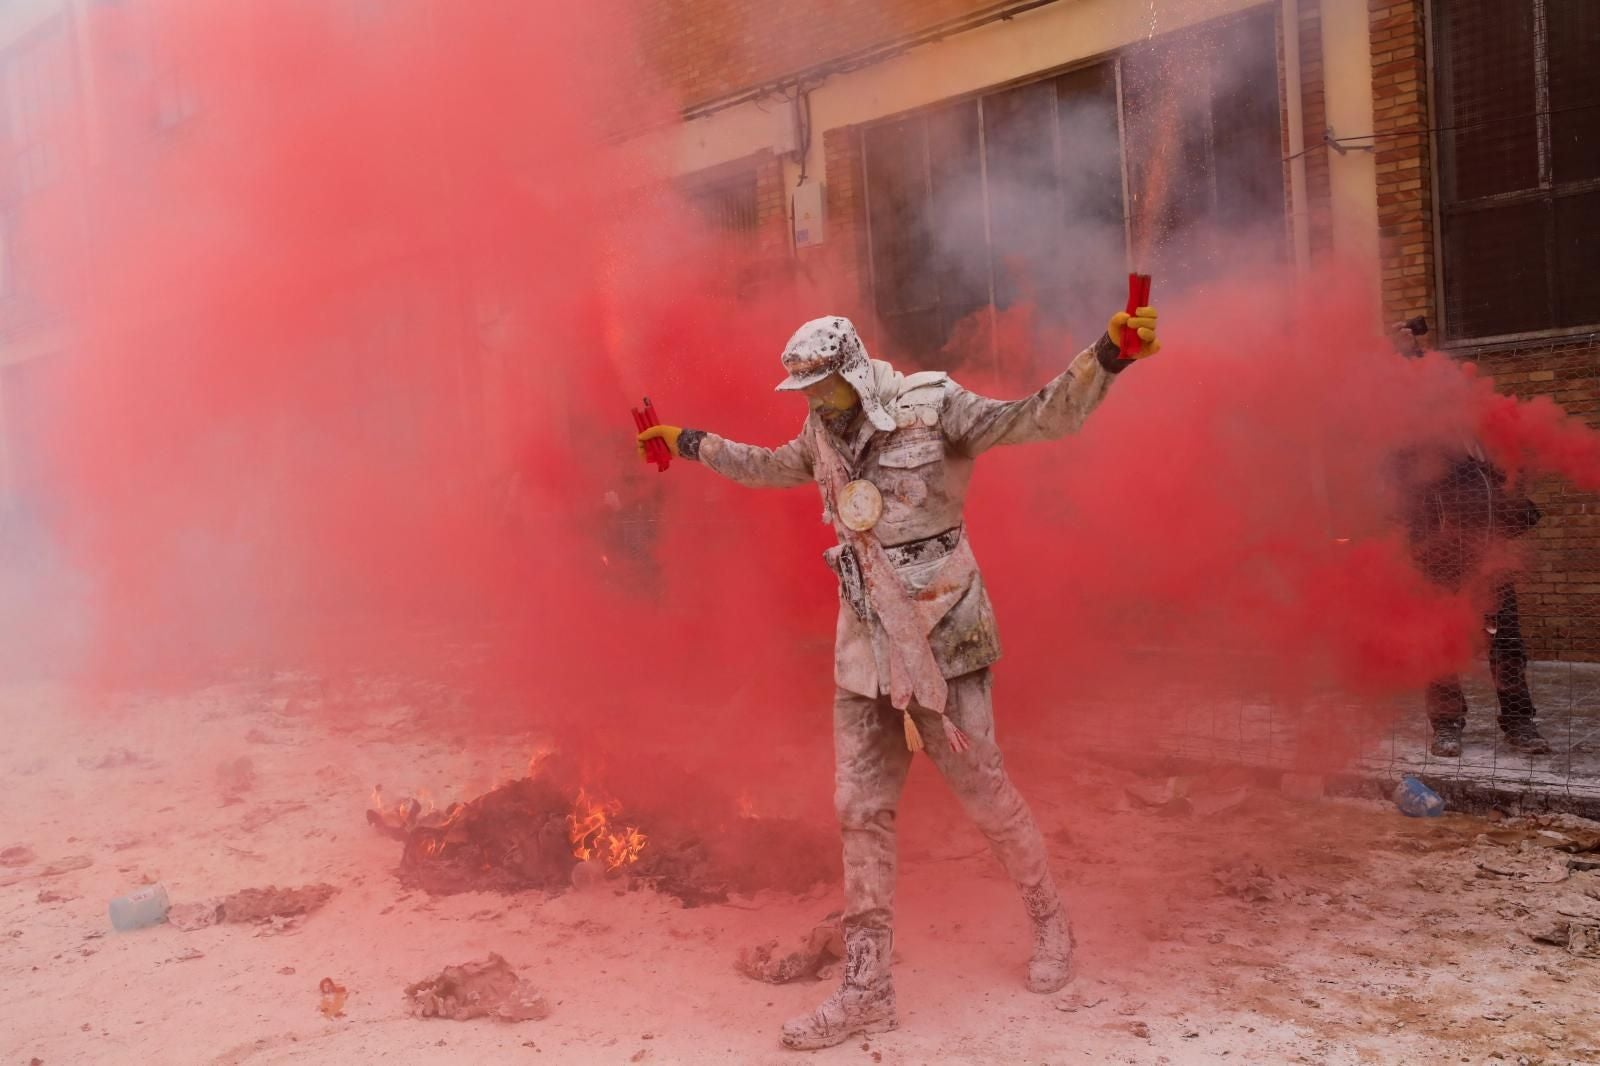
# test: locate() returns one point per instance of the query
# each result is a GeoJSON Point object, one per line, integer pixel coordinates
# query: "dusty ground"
{"type": "Point", "coordinates": [1327, 932]}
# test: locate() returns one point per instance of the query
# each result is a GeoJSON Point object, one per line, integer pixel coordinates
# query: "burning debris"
{"type": "Point", "coordinates": [486, 989]}
{"type": "Point", "coordinates": [526, 834]}
{"type": "Point", "coordinates": [399, 819]}
{"type": "Point", "coordinates": [595, 838]}
{"type": "Point", "coordinates": [739, 856]}
{"type": "Point", "coordinates": [536, 833]}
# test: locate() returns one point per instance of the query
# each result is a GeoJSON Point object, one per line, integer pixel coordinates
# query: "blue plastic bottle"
{"type": "Point", "coordinates": [145, 906]}
{"type": "Point", "coordinates": [1417, 800]}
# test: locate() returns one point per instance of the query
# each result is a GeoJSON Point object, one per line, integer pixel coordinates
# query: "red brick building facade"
{"type": "Point", "coordinates": [1425, 56]}
{"type": "Point", "coordinates": [1561, 360]}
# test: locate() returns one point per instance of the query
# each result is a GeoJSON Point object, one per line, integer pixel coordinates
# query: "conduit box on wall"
{"type": "Point", "coordinates": [808, 221]}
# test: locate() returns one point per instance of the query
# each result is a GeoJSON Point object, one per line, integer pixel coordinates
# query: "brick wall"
{"type": "Point", "coordinates": [1561, 593]}
{"type": "Point", "coordinates": [772, 207]}
{"type": "Point", "coordinates": [839, 265]}
{"type": "Point", "coordinates": [1560, 597]}
{"type": "Point", "coordinates": [707, 48]}
{"type": "Point", "coordinates": [1405, 194]}
{"type": "Point", "coordinates": [772, 259]}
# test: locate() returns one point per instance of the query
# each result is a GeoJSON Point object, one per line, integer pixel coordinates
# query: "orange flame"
{"type": "Point", "coordinates": [376, 799]}
{"type": "Point", "coordinates": [622, 849]}
{"type": "Point", "coordinates": [590, 832]}
{"type": "Point", "coordinates": [587, 823]}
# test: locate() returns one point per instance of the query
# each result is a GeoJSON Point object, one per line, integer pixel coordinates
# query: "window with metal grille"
{"type": "Point", "coordinates": [1517, 111]}
{"type": "Point", "coordinates": [729, 203]}
{"type": "Point", "coordinates": [1017, 196]}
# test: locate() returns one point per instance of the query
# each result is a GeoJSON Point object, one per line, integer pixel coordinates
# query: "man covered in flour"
{"type": "Point", "coordinates": [893, 454]}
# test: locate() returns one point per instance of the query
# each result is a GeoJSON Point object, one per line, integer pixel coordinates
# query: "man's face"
{"type": "Point", "coordinates": [831, 395]}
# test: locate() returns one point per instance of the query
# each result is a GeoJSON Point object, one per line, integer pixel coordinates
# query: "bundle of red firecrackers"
{"type": "Point", "coordinates": [655, 451]}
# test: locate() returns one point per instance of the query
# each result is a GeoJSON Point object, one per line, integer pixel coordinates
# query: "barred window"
{"type": "Point", "coordinates": [1517, 94]}
{"type": "Point", "coordinates": [728, 202]}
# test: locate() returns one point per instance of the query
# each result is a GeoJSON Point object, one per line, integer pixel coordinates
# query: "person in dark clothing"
{"type": "Point", "coordinates": [1459, 505]}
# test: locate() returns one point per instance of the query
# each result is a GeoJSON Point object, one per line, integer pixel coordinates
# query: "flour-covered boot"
{"type": "Point", "coordinates": [1051, 966]}
{"type": "Point", "coordinates": [1447, 734]}
{"type": "Point", "coordinates": [864, 1002]}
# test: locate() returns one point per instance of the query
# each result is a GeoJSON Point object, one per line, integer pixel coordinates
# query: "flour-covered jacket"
{"type": "Point", "coordinates": [922, 468]}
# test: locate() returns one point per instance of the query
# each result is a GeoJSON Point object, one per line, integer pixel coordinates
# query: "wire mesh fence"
{"type": "Point", "coordinates": [1522, 723]}
{"type": "Point", "coordinates": [1381, 743]}
{"type": "Point", "coordinates": [1488, 757]}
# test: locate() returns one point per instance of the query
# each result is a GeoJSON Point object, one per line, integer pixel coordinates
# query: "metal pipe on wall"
{"type": "Point", "coordinates": [1299, 218]}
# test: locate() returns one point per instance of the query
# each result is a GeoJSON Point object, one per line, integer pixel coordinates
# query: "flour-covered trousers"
{"type": "Point", "coordinates": [871, 761]}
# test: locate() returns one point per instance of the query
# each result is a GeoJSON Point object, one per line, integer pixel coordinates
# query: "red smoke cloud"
{"type": "Point", "coordinates": [359, 338]}
{"type": "Point", "coordinates": [1536, 436]}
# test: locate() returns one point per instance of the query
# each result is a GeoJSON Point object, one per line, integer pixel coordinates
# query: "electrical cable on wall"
{"type": "Point", "coordinates": [802, 106]}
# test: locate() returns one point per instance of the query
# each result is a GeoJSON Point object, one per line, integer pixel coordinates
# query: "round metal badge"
{"type": "Point", "coordinates": [860, 506]}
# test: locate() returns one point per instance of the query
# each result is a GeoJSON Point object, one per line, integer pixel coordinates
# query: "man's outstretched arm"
{"type": "Point", "coordinates": [974, 423]}
{"type": "Point", "coordinates": [748, 464]}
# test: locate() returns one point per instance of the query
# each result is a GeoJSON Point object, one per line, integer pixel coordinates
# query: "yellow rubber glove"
{"type": "Point", "coordinates": [669, 434]}
{"type": "Point", "coordinates": [1144, 322]}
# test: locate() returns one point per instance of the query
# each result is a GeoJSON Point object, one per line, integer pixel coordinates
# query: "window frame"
{"type": "Point", "coordinates": [700, 187]}
{"type": "Point", "coordinates": [748, 248]}
{"type": "Point", "coordinates": [1116, 58]}
{"type": "Point", "coordinates": [1547, 192]}
{"type": "Point", "coordinates": [976, 96]}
